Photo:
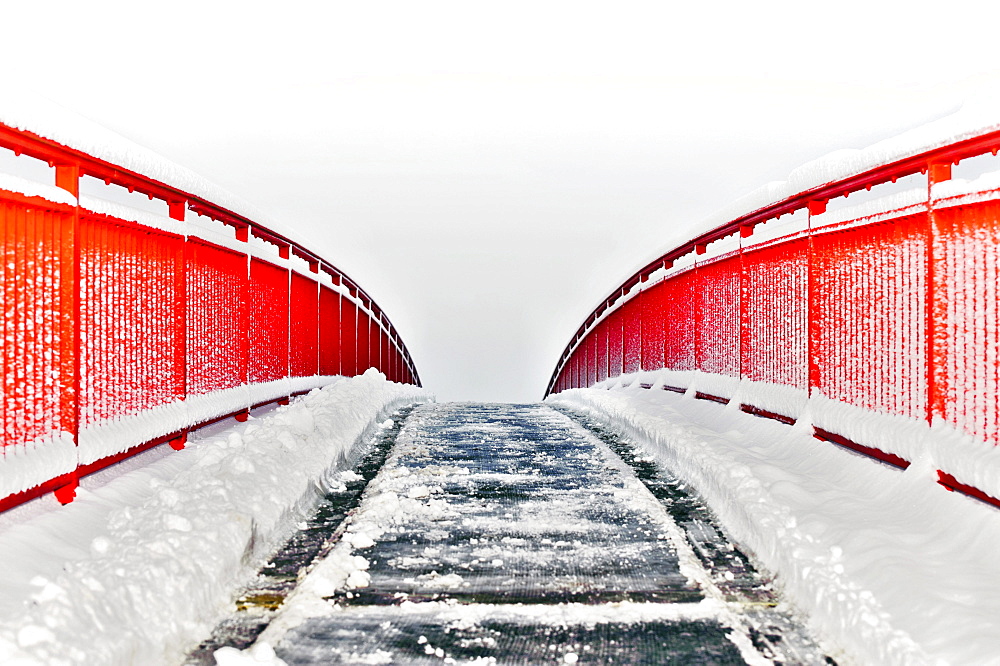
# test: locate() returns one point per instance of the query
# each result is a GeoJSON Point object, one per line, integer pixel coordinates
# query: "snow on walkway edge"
{"type": "Point", "coordinates": [138, 571]}
{"type": "Point", "coordinates": [888, 567]}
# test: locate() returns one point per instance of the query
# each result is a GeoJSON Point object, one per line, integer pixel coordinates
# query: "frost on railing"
{"type": "Point", "coordinates": [866, 303]}
{"type": "Point", "coordinates": [135, 309]}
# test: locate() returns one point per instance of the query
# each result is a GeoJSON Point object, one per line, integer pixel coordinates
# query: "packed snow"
{"type": "Point", "coordinates": [139, 568]}
{"type": "Point", "coordinates": [113, 436]}
{"type": "Point", "coordinates": [888, 565]}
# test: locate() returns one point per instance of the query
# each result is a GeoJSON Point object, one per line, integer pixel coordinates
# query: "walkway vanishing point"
{"type": "Point", "coordinates": [509, 534]}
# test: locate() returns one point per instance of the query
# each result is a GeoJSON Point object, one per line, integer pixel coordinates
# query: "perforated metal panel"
{"type": "Point", "coordinates": [39, 319]}
{"type": "Point", "coordinates": [132, 310]}
{"type": "Point", "coordinates": [218, 346]}
{"type": "Point", "coordinates": [774, 308]}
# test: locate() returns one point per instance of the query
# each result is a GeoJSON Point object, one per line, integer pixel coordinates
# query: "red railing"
{"type": "Point", "coordinates": [893, 311]}
{"type": "Point", "coordinates": [121, 334]}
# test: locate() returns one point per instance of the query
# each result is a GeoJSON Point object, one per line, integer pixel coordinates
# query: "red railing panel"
{"type": "Point", "coordinates": [869, 291]}
{"type": "Point", "coordinates": [218, 348]}
{"type": "Point", "coordinates": [579, 367]}
{"type": "Point", "coordinates": [678, 303]}
{"type": "Point", "coordinates": [131, 318]}
{"type": "Point", "coordinates": [113, 330]}
{"type": "Point", "coordinates": [393, 374]}
{"type": "Point", "coordinates": [895, 311]}
{"type": "Point", "coordinates": [268, 321]}
{"type": "Point", "coordinates": [374, 345]}
{"type": "Point", "coordinates": [329, 331]}
{"type": "Point", "coordinates": [718, 317]}
{"type": "Point", "coordinates": [613, 327]}
{"type": "Point", "coordinates": [774, 307]}
{"type": "Point", "coordinates": [38, 301]}
{"type": "Point", "coordinates": [592, 361]}
{"type": "Point", "coordinates": [601, 336]}
{"type": "Point", "coordinates": [348, 337]}
{"type": "Point", "coordinates": [389, 359]}
{"type": "Point", "coordinates": [653, 320]}
{"type": "Point", "coordinates": [364, 341]}
{"type": "Point", "coordinates": [304, 334]}
{"type": "Point", "coordinates": [632, 333]}
{"type": "Point", "coordinates": [966, 355]}
{"type": "Point", "coordinates": [385, 346]}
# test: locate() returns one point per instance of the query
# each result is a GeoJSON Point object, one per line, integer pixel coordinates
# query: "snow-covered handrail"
{"type": "Point", "coordinates": [877, 324]}
{"type": "Point", "coordinates": [124, 329]}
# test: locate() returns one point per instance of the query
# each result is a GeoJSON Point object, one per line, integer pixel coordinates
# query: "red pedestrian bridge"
{"type": "Point", "coordinates": [856, 302]}
{"type": "Point", "coordinates": [861, 295]}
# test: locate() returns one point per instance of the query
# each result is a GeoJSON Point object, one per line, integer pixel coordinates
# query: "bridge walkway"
{"type": "Point", "coordinates": [517, 534]}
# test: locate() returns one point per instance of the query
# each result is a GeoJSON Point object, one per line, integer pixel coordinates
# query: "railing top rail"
{"type": "Point", "coordinates": [25, 141]}
{"type": "Point", "coordinates": [916, 151]}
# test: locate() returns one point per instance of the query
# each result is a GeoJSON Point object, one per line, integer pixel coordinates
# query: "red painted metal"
{"type": "Point", "coordinates": [132, 356]}
{"type": "Point", "coordinates": [953, 484]}
{"type": "Point", "coordinates": [269, 292]}
{"type": "Point", "coordinates": [393, 371]}
{"type": "Point", "coordinates": [898, 314]}
{"type": "Point", "coordinates": [105, 318]}
{"type": "Point", "coordinates": [348, 337]}
{"type": "Point", "coordinates": [870, 451]}
{"type": "Point", "coordinates": [304, 333]}
{"type": "Point", "coordinates": [67, 493]}
{"type": "Point", "coordinates": [711, 397]}
{"type": "Point", "coordinates": [773, 318]}
{"type": "Point", "coordinates": [615, 346]}
{"type": "Point", "coordinates": [815, 199]}
{"type": "Point", "coordinates": [765, 414]}
{"type": "Point", "coordinates": [374, 344]}
{"type": "Point", "coordinates": [717, 298]}
{"type": "Point", "coordinates": [965, 344]}
{"type": "Point", "coordinates": [68, 178]}
{"type": "Point", "coordinates": [38, 394]}
{"type": "Point", "coordinates": [329, 331]}
{"type": "Point", "coordinates": [363, 352]}
{"type": "Point", "coordinates": [51, 486]}
{"type": "Point", "coordinates": [383, 348]}
{"type": "Point", "coordinates": [813, 331]}
{"type": "Point", "coordinates": [653, 317]}
{"type": "Point", "coordinates": [632, 334]}
{"type": "Point", "coordinates": [601, 335]}
{"type": "Point", "coordinates": [679, 313]}
{"type": "Point", "coordinates": [218, 347]}
{"type": "Point", "coordinates": [869, 314]}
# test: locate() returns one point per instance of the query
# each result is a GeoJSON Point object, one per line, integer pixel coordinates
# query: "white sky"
{"type": "Point", "coordinates": [489, 171]}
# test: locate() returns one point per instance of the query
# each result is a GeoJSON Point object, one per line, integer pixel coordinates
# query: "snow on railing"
{"type": "Point", "coordinates": [878, 323]}
{"type": "Point", "coordinates": [125, 327]}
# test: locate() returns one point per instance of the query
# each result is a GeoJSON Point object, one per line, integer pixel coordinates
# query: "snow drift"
{"type": "Point", "coordinates": [138, 570]}
{"type": "Point", "coordinates": [887, 565]}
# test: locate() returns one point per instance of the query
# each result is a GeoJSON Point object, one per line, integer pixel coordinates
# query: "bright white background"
{"type": "Point", "coordinates": [489, 171]}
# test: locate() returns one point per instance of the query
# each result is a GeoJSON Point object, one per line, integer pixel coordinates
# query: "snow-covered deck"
{"type": "Point", "coordinates": [141, 566]}
{"type": "Point", "coordinates": [510, 534]}
{"type": "Point", "coordinates": [491, 521]}
{"type": "Point", "coordinates": [887, 564]}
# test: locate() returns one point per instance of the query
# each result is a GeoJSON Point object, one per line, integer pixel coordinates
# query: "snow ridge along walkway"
{"type": "Point", "coordinates": [889, 566]}
{"type": "Point", "coordinates": [147, 559]}
{"type": "Point", "coordinates": [509, 534]}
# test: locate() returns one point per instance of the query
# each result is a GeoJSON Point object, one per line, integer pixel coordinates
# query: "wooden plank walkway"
{"type": "Point", "coordinates": [516, 534]}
